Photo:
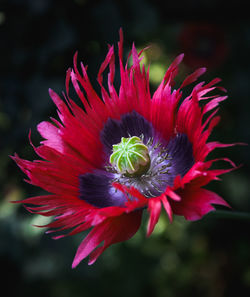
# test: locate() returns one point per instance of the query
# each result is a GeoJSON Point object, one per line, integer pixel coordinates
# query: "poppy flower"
{"type": "Point", "coordinates": [125, 152]}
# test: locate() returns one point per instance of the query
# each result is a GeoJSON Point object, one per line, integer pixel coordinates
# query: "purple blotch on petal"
{"type": "Point", "coordinates": [181, 151]}
{"type": "Point", "coordinates": [131, 124]}
{"type": "Point", "coordinates": [96, 189]}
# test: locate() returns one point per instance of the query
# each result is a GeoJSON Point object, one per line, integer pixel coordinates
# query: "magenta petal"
{"type": "Point", "coordinates": [88, 245]}
{"type": "Point", "coordinates": [52, 136]}
{"type": "Point", "coordinates": [154, 208]}
{"type": "Point", "coordinates": [196, 203]}
{"type": "Point", "coordinates": [110, 231]}
{"type": "Point", "coordinates": [193, 77]}
{"type": "Point", "coordinates": [167, 207]}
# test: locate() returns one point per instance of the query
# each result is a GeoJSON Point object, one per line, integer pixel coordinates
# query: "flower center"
{"type": "Point", "coordinates": [153, 165]}
{"type": "Point", "coordinates": [130, 157]}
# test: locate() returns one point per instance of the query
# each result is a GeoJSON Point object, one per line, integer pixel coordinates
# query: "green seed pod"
{"type": "Point", "coordinates": [130, 157]}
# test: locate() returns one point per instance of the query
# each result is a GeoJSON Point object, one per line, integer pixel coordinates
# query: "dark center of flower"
{"type": "Point", "coordinates": [130, 157]}
{"type": "Point", "coordinates": [143, 166]}
{"type": "Point", "coordinates": [145, 161]}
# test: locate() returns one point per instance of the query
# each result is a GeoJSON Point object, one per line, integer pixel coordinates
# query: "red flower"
{"type": "Point", "coordinates": [124, 153]}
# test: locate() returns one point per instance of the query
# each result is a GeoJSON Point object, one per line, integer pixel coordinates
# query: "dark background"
{"type": "Point", "coordinates": [38, 39]}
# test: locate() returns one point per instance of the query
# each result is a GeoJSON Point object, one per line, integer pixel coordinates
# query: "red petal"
{"type": "Point", "coordinates": [111, 231]}
{"type": "Point", "coordinates": [193, 77]}
{"type": "Point", "coordinates": [172, 194]}
{"type": "Point", "coordinates": [196, 203]}
{"type": "Point", "coordinates": [154, 208]}
{"type": "Point", "coordinates": [167, 207]}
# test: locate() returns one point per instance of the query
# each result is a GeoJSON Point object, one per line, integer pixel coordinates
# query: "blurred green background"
{"type": "Point", "coordinates": [38, 38]}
